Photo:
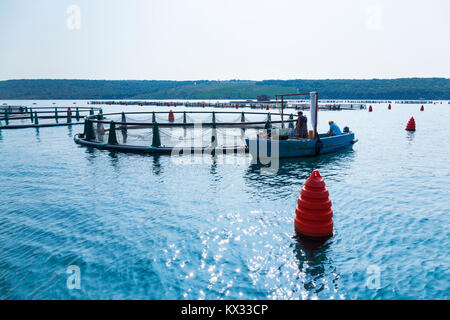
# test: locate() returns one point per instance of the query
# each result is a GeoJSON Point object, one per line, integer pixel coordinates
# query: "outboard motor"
{"type": "Point", "coordinates": [346, 130]}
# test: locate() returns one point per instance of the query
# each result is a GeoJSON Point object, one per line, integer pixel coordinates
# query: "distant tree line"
{"type": "Point", "coordinates": [406, 88]}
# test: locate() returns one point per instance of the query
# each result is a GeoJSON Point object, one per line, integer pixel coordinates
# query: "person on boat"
{"type": "Point", "coordinates": [334, 129]}
{"type": "Point", "coordinates": [302, 126]}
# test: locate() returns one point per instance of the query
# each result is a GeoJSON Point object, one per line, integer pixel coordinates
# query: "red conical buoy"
{"type": "Point", "coordinates": [411, 125]}
{"type": "Point", "coordinates": [422, 108]}
{"type": "Point", "coordinates": [203, 105]}
{"type": "Point", "coordinates": [389, 106]}
{"type": "Point", "coordinates": [267, 107]}
{"type": "Point", "coordinates": [313, 214]}
{"type": "Point", "coordinates": [370, 109]}
{"type": "Point", "coordinates": [175, 104]}
{"type": "Point", "coordinates": [171, 116]}
{"type": "Point", "coordinates": [237, 106]}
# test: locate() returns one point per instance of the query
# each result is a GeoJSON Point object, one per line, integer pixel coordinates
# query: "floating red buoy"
{"type": "Point", "coordinates": [313, 214]}
{"type": "Point", "coordinates": [389, 106]}
{"type": "Point", "coordinates": [267, 107]}
{"type": "Point", "coordinates": [422, 108]}
{"type": "Point", "coordinates": [237, 106]}
{"type": "Point", "coordinates": [168, 104]}
{"type": "Point", "coordinates": [175, 104]}
{"type": "Point", "coordinates": [203, 105]}
{"type": "Point", "coordinates": [141, 104]}
{"type": "Point", "coordinates": [171, 116]}
{"type": "Point", "coordinates": [411, 125]}
{"type": "Point", "coordinates": [370, 109]}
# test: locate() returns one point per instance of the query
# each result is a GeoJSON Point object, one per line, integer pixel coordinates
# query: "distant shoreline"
{"type": "Point", "coordinates": [375, 89]}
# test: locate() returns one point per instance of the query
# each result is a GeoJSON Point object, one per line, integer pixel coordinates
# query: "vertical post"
{"type": "Point", "coordinates": [112, 138]}
{"type": "Point", "coordinates": [291, 125]}
{"type": "Point", "coordinates": [317, 110]}
{"type": "Point", "coordinates": [184, 117]}
{"type": "Point", "coordinates": [156, 141]}
{"type": "Point", "coordinates": [77, 115]}
{"type": "Point", "coordinates": [282, 107]}
{"type": "Point", "coordinates": [214, 118]}
{"type": "Point", "coordinates": [31, 115]}
{"type": "Point", "coordinates": [6, 116]}
{"type": "Point", "coordinates": [213, 138]}
{"type": "Point", "coordinates": [69, 117]}
{"type": "Point", "coordinates": [91, 112]}
{"type": "Point", "coordinates": [88, 129]}
{"type": "Point", "coordinates": [153, 116]}
{"type": "Point", "coordinates": [56, 115]}
{"type": "Point", "coordinates": [242, 117]}
{"type": "Point", "coordinates": [36, 119]}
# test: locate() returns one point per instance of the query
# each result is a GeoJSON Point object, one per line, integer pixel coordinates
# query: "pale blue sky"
{"type": "Point", "coordinates": [227, 39]}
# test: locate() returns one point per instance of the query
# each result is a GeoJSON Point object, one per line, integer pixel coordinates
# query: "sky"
{"type": "Point", "coordinates": [224, 39]}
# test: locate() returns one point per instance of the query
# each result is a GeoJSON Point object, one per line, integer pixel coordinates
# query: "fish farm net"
{"type": "Point", "coordinates": [136, 131]}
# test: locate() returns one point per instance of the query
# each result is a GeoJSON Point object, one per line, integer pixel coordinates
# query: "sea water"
{"type": "Point", "coordinates": [82, 223]}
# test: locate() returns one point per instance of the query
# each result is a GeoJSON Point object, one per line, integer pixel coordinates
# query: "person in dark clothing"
{"type": "Point", "coordinates": [302, 126]}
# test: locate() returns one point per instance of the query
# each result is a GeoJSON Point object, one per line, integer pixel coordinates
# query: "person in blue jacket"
{"type": "Point", "coordinates": [334, 129]}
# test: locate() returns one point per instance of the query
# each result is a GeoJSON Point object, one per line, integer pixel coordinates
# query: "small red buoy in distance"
{"type": "Point", "coordinates": [313, 214]}
{"type": "Point", "coordinates": [171, 116]}
{"type": "Point", "coordinates": [267, 107]}
{"type": "Point", "coordinates": [203, 105]}
{"type": "Point", "coordinates": [168, 104]}
{"type": "Point", "coordinates": [411, 125]}
{"type": "Point", "coordinates": [237, 106]}
{"type": "Point", "coordinates": [370, 109]}
{"type": "Point", "coordinates": [175, 104]}
{"type": "Point", "coordinates": [389, 106]}
{"type": "Point", "coordinates": [422, 108]}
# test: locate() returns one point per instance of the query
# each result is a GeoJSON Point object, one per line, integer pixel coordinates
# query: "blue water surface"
{"type": "Point", "coordinates": [152, 227]}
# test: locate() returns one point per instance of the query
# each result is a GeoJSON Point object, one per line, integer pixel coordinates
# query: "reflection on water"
{"type": "Point", "coordinates": [297, 170]}
{"type": "Point", "coordinates": [410, 136]}
{"type": "Point", "coordinates": [38, 137]}
{"type": "Point", "coordinates": [114, 159]}
{"type": "Point", "coordinates": [157, 168]}
{"type": "Point", "coordinates": [312, 260]}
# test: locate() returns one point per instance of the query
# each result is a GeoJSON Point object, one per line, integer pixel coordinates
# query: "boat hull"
{"type": "Point", "coordinates": [292, 148]}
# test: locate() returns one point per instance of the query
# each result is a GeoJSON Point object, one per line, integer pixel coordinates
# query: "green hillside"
{"type": "Point", "coordinates": [407, 88]}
